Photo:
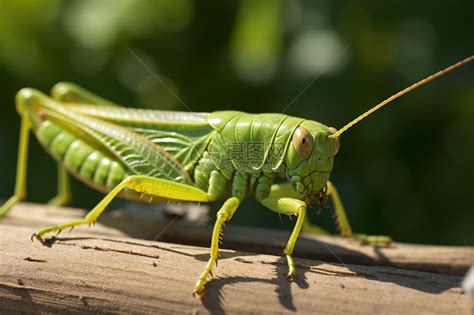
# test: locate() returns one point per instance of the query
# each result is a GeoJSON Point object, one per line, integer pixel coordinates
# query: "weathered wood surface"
{"type": "Point", "coordinates": [103, 270]}
{"type": "Point", "coordinates": [140, 222]}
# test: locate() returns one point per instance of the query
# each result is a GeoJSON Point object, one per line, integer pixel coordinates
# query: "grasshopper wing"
{"type": "Point", "coordinates": [140, 155]}
{"type": "Point", "coordinates": [183, 135]}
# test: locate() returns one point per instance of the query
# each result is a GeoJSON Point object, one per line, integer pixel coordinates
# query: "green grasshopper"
{"type": "Point", "coordinates": [179, 156]}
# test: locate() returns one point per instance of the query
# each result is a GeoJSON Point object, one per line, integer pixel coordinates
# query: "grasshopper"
{"type": "Point", "coordinates": [180, 156]}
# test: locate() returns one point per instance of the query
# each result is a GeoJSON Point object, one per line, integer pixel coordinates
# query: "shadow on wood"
{"type": "Point", "coordinates": [103, 270]}
{"type": "Point", "coordinates": [189, 225]}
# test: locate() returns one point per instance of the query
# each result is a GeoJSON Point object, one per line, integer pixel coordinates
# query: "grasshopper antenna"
{"type": "Point", "coordinates": [402, 92]}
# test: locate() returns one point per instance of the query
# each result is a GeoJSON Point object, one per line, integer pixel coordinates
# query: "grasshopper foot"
{"type": "Point", "coordinates": [58, 201]}
{"type": "Point", "coordinates": [58, 228]}
{"type": "Point", "coordinates": [199, 294]}
{"type": "Point", "coordinates": [199, 287]}
{"type": "Point", "coordinates": [375, 240]}
{"type": "Point", "coordinates": [291, 277]}
{"type": "Point", "coordinates": [291, 268]}
{"type": "Point", "coordinates": [37, 237]}
{"type": "Point", "coordinates": [44, 241]}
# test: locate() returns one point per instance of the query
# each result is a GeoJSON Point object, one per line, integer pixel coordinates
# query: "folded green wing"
{"type": "Point", "coordinates": [183, 135]}
{"type": "Point", "coordinates": [138, 153]}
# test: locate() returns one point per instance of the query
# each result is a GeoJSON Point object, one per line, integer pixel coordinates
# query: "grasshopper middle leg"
{"type": "Point", "coordinates": [63, 196]}
{"type": "Point", "coordinates": [343, 222]}
{"type": "Point", "coordinates": [223, 215]}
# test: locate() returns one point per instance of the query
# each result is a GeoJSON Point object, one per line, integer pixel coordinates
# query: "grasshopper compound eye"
{"type": "Point", "coordinates": [332, 131]}
{"type": "Point", "coordinates": [303, 142]}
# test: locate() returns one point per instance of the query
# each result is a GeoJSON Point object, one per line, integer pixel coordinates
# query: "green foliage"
{"type": "Point", "coordinates": [406, 172]}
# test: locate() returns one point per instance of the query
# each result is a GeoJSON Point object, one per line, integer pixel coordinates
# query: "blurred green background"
{"type": "Point", "coordinates": [406, 172]}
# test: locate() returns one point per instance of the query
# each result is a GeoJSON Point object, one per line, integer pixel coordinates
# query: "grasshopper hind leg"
{"type": "Point", "coordinates": [66, 92]}
{"type": "Point", "coordinates": [20, 186]}
{"type": "Point", "coordinates": [70, 93]}
{"type": "Point", "coordinates": [142, 184]}
{"type": "Point", "coordinates": [164, 189]}
{"type": "Point", "coordinates": [24, 98]}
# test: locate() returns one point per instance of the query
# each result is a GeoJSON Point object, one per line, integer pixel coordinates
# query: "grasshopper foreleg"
{"type": "Point", "coordinates": [289, 206]}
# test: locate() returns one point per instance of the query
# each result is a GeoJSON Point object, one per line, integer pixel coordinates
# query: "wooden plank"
{"type": "Point", "coordinates": [102, 270]}
{"type": "Point", "coordinates": [189, 225]}
{"type": "Point", "coordinates": [139, 221]}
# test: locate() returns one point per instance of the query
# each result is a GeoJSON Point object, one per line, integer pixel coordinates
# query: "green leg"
{"type": "Point", "coordinates": [344, 226]}
{"type": "Point", "coordinates": [285, 190]}
{"type": "Point", "coordinates": [223, 215]}
{"type": "Point", "coordinates": [340, 214]}
{"type": "Point", "coordinates": [20, 186]}
{"type": "Point", "coordinates": [70, 93]}
{"type": "Point", "coordinates": [310, 228]}
{"type": "Point", "coordinates": [289, 206]}
{"type": "Point", "coordinates": [63, 196]}
{"type": "Point", "coordinates": [141, 184]}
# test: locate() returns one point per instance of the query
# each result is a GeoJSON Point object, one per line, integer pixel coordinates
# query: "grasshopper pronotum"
{"type": "Point", "coordinates": [185, 156]}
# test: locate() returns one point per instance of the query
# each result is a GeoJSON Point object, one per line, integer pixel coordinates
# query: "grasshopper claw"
{"type": "Point", "coordinates": [198, 294]}
{"type": "Point", "coordinates": [290, 277]}
{"type": "Point", "coordinates": [37, 237]}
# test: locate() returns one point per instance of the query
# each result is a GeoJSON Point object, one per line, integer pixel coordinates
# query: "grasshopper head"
{"type": "Point", "coordinates": [310, 159]}
{"type": "Point", "coordinates": [311, 152]}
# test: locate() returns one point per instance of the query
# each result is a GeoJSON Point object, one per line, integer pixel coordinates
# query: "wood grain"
{"type": "Point", "coordinates": [138, 221]}
{"type": "Point", "coordinates": [103, 270]}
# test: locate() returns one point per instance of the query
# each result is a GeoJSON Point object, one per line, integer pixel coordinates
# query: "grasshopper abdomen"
{"type": "Point", "coordinates": [80, 158]}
